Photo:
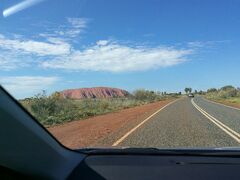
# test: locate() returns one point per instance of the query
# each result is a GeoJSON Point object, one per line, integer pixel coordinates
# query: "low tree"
{"type": "Point", "coordinates": [145, 95]}
{"type": "Point", "coordinates": [211, 90]}
{"type": "Point", "coordinates": [201, 92]}
{"type": "Point", "coordinates": [228, 87]}
{"type": "Point", "coordinates": [188, 90]}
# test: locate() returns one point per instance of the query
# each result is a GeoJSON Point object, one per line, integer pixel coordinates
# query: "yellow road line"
{"type": "Point", "coordinates": [140, 124]}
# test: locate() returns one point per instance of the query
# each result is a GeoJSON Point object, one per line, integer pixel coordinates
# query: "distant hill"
{"type": "Point", "coordinates": [95, 92]}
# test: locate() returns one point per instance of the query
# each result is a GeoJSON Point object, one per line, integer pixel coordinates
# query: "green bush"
{"type": "Point", "coordinates": [211, 90]}
{"type": "Point", "coordinates": [145, 95]}
{"type": "Point", "coordinates": [55, 109]}
{"type": "Point", "coordinates": [238, 93]}
{"type": "Point", "coordinates": [228, 87]}
{"type": "Point", "coordinates": [50, 110]}
{"type": "Point", "coordinates": [225, 92]}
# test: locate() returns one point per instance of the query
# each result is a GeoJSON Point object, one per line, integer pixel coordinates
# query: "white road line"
{"type": "Point", "coordinates": [226, 129]}
{"type": "Point", "coordinates": [140, 124]}
{"type": "Point", "coordinates": [222, 104]}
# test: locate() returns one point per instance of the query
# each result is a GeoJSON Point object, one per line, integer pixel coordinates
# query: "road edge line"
{"type": "Point", "coordinates": [221, 104]}
{"type": "Point", "coordinates": [141, 123]}
{"type": "Point", "coordinates": [218, 123]}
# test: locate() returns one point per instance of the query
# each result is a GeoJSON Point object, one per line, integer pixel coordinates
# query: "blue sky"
{"type": "Point", "coordinates": [153, 44]}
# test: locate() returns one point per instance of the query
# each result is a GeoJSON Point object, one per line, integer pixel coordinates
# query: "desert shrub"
{"type": "Point", "coordinates": [145, 95]}
{"type": "Point", "coordinates": [202, 92]}
{"type": "Point", "coordinates": [226, 88]}
{"type": "Point", "coordinates": [56, 109]}
{"type": "Point", "coordinates": [211, 90]}
{"type": "Point", "coordinates": [225, 92]}
{"type": "Point", "coordinates": [174, 95]}
{"type": "Point", "coordinates": [222, 94]}
{"type": "Point", "coordinates": [232, 92]}
{"type": "Point", "coordinates": [50, 109]}
{"type": "Point", "coordinates": [238, 93]}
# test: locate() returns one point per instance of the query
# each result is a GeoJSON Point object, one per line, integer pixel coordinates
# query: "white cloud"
{"type": "Point", "coordinates": [113, 57]}
{"type": "Point", "coordinates": [23, 86]}
{"type": "Point", "coordinates": [72, 32]}
{"type": "Point", "coordinates": [6, 65]}
{"type": "Point", "coordinates": [38, 48]}
{"type": "Point", "coordinates": [196, 44]}
{"type": "Point", "coordinates": [73, 29]}
{"type": "Point", "coordinates": [204, 44]}
{"type": "Point", "coordinates": [68, 31]}
{"type": "Point", "coordinates": [77, 27]}
{"type": "Point", "coordinates": [12, 60]}
{"type": "Point", "coordinates": [108, 56]}
{"type": "Point", "coordinates": [18, 51]}
{"type": "Point", "coordinates": [78, 22]}
{"type": "Point", "coordinates": [102, 42]}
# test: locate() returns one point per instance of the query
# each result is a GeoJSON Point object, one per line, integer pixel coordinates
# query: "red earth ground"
{"type": "Point", "coordinates": [103, 130]}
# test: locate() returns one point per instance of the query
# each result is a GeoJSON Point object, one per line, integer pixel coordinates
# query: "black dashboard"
{"type": "Point", "coordinates": [156, 167]}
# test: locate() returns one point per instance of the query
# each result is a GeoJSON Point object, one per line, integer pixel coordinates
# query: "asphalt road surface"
{"type": "Point", "coordinates": [187, 122]}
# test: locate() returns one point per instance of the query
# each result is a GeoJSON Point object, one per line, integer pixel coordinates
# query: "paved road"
{"type": "Point", "coordinates": [183, 125]}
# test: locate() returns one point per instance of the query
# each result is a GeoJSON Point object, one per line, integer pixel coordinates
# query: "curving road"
{"type": "Point", "coordinates": [187, 122]}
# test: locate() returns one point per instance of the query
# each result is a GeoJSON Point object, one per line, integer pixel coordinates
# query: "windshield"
{"type": "Point", "coordinates": [107, 73]}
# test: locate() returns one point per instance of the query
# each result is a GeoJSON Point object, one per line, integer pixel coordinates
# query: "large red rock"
{"type": "Point", "coordinates": [96, 92]}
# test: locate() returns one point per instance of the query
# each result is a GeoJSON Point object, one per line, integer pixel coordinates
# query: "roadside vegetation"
{"type": "Point", "coordinates": [188, 90]}
{"type": "Point", "coordinates": [54, 109]}
{"type": "Point", "coordinates": [227, 94]}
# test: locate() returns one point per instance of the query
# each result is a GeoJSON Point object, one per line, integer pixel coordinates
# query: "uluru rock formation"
{"type": "Point", "coordinates": [95, 92]}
